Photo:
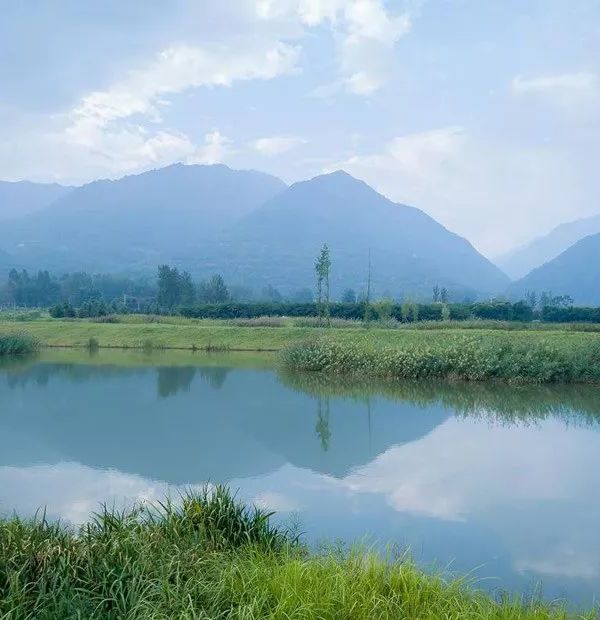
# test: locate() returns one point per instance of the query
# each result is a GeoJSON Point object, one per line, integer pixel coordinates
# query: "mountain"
{"type": "Point", "coordinates": [22, 198]}
{"type": "Point", "coordinates": [253, 229]}
{"type": "Point", "coordinates": [575, 272]}
{"type": "Point", "coordinates": [521, 261]}
{"type": "Point", "coordinates": [137, 221]}
{"type": "Point", "coordinates": [410, 252]}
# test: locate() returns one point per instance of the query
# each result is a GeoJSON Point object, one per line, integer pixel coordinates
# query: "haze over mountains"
{"type": "Point", "coordinates": [522, 260]}
{"type": "Point", "coordinates": [575, 272]}
{"type": "Point", "coordinates": [137, 221]}
{"type": "Point", "coordinates": [22, 197]}
{"type": "Point", "coordinates": [410, 252]}
{"type": "Point", "coordinates": [256, 231]}
{"type": "Point", "coordinates": [251, 228]}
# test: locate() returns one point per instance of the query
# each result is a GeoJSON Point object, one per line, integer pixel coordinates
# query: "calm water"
{"type": "Point", "coordinates": [496, 480]}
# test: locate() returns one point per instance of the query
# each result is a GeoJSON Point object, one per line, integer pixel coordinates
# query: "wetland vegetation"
{"type": "Point", "coordinates": [209, 556]}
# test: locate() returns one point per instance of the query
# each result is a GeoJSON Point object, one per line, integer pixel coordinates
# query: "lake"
{"type": "Point", "coordinates": [501, 482]}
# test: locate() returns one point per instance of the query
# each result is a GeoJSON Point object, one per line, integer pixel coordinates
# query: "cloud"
{"type": "Point", "coordinates": [120, 130]}
{"type": "Point", "coordinates": [177, 69]}
{"type": "Point", "coordinates": [466, 182]}
{"type": "Point", "coordinates": [73, 492]}
{"type": "Point", "coordinates": [277, 145]}
{"type": "Point", "coordinates": [567, 89]}
{"type": "Point", "coordinates": [365, 31]}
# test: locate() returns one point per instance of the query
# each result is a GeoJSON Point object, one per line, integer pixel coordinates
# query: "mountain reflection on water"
{"type": "Point", "coordinates": [499, 477]}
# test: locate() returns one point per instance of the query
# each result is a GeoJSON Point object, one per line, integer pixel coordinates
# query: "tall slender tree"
{"type": "Point", "coordinates": [322, 268]}
{"type": "Point", "coordinates": [368, 309]}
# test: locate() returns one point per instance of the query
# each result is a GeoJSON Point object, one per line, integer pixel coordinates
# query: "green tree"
{"type": "Point", "coordinates": [531, 299]}
{"type": "Point", "coordinates": [409, 310]}
{"type": "Point", "coordinates": [187, 290]}
{"type": "Point", "coordinates": [436, 294]}
{"type": "Point", "coordinates": [384, 309]}
{"type": "Point", "coordinates": [368, 315]}
{"type": "Point", "coordinates": [169, 287]}
{"type": "Point", "coordinates": [322, 267]}
{"type": "Point", "coordinates": [213, 291]}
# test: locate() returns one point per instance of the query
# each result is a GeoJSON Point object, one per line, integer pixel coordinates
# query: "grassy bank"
{"type": "Point", "coordinates": [509, 356]}
{"type": "Point", "coordinates": [213, 558]}
{"type": "Point", "coordinates": [529, 355]}
{"type": "Point", "coordinates": [179, 333]}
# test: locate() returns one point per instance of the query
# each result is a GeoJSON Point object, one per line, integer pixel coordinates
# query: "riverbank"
{"type": "Point", "coordinates": [139, 332]}
{"type": "Point", "coordinates": [212, 557]}
{"type": "Point", "coordinates": [432, 352]}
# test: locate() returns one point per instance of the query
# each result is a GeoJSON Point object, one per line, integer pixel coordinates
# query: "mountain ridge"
{"type": "Point", "coordinates": [574, 272]}
{"type": "Point", "coordinates": [522, 260]}
{"type": "Point", "coordinates": [19, 198]}
{"type": "Point", "coordinates": [252, 228]}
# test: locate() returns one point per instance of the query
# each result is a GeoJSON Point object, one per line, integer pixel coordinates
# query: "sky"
{"type": "Point", "coordinates": [485, 114]}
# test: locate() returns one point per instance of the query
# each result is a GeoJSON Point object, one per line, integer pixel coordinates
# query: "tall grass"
{"type": "Point", "coordinates": [453, 357]}
{"type": "Point", "coordinates": [211, 557]}
{"type": "Point", "coordinates": [17, 344]}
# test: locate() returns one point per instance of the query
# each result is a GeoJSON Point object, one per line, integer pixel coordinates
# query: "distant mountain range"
{"type": "Point", "coordinates": [521, 261]}
{"type": "Point", "coordinates": [22, 198]}
{"type": "Point", "coordinates": [575, 272]}
{"type": "Point", "coordinates": [410, 252]}
{"type": "Point", "coordinates": [250, 227]}
{"type": "Point", "coordinates": [135, 222]}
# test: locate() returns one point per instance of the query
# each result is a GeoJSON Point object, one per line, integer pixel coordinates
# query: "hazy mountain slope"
{"type": "Point", "coordinates": [521, 261]}
{"type": "Point", "coordinates": [575, 272]}
{"type": "Point", "coordinates": [410, 251]}
{"type": "Point", "coordinates": [22, 198]}
{"type": "Point", "coordinates": [139, 220]}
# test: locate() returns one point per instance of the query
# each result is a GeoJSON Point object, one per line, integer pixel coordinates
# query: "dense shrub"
{"type": "Point", "coordinates": [17, 344]}
{"type": "Point", "coordinates": [552, 314]}
{"type": "Point", "coordinates": [407, 312]}
{"type": "Point", "coordinates": [63, 310]}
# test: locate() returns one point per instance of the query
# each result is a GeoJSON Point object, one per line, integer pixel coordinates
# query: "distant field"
{"type": "Point", "coordinates": [179, 333]}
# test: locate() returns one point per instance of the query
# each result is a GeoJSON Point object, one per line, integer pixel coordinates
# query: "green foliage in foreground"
{"type": "Point", "coordinates": [17, 344]}
{"type": "Point", "coordinates": [213, 558]}
{"type": "Point", "coordinates": [477, 358]}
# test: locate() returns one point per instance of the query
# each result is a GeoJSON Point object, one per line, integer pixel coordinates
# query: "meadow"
{"type": "Point", "coordinates": [209, 556]}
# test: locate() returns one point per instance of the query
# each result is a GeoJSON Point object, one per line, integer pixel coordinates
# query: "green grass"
{"type": "Point", "coordinates": [17, 343]}
{"type": "Point", "coordinates": [521, 357]}
{"type": "Point", "coordinates": [552, 354]}
{"type": "Point", "coordinates": [211, 557]}
{"type": "Point", "coordinates": [180, 333]}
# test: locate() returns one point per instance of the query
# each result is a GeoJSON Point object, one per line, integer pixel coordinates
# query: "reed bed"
{"type": "Point", "coordinates": [211, 557]}
{"type": "Point", "coordinates": [513, 359]}
{"type": "Point", "coordinates": [18, 343]}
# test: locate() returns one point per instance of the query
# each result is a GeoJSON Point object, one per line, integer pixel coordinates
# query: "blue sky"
{"type": "Point", "coordinates": [486, 114]}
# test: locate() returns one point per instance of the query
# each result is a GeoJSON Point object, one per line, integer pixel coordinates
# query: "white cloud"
{"type": "Point", "coordinates": [467, 182]}
{"type": "Point", "coordinates": [73, 492]}
{"type": "Point", "coordinates": [366, 33]}
{"type": "Point", "coordinates": [119, 130]}
{"type": "Point", "coordinates": [567, 89]}
{"type": "Point", "coordinates": [215, 150]}
{"type": "Point", "coordinates": [177, 69]}
{"type": "Point", "coordinates": [277, 145]}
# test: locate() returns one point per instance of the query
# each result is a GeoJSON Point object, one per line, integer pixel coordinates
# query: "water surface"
{"type": "Point", "coordinates": [502, 481]}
